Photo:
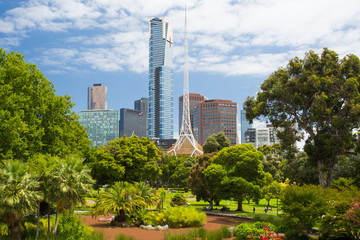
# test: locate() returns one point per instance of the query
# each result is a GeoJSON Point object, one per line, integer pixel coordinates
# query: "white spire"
{"type": "Point", "coordinates": [185, 130]}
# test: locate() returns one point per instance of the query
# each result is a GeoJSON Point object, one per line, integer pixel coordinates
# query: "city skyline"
{"type": "Point", "coordinates": [79, 43]}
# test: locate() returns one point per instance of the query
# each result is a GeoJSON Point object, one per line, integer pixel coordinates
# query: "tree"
{"type": "Point", "coordinates": [244, 171]}
{"type": "Point", "coordinates": [72, 182]}
{"type": "Point", "coordinates": [273, 156]}
{"type": "Point", "coordinates": [19, 195]}
{"type": "Point", "coordinates": [126, 159]}
{"type": "Point", "coordinates": [32, 118]}
{"type": "Point", "coordinates": [123, 198]}
{"type": "Point", "coordinates": [300, 170]}
{"type": "Point", "coordinates": [216, 142]}
{"type": "Point", "coordinates": [318, 95]}
{"type": "Point", "coordinates": [213, 175]}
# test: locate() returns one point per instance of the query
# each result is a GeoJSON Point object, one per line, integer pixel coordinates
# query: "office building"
{"type": "Point", "coordinates": [161, 102]}
{"type": "Point", "coordinates": [135, 121]}
{"type": "Point", "coordinates": [102, 126]}
{"type": "Point", "coordinates": [97, 97]}
{"type": "Point", "coordinates": [261, 136]}
{"type": "Point", "coordinates": [245, 125]}
{"type": "Point", "coordinates": [250, 136]}
{"type": "Point", "coordinates": [194, 100]}
{"type": "Point", "coordinates": [214, 116]}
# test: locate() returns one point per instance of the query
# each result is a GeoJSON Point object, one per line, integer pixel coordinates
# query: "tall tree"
{"type": "Point", "coordinates": [318, 95]}
{"type": "Point", "coordinates": [33, 119]}
{"type": "Point", "coordinates": [19, 195]}
{"type": "Point", "coordinates": [216, 142]}
{"type": "Point", "coordinates": [244, 171]}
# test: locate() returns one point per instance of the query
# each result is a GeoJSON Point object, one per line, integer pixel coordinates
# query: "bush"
{"type": "Point", "coordinates": [176, 217]}
{"type": "Point", "coordinates": [302, 208]}
{"type": "Point", "coordinates": [71, 228]}
{"type": "Point", "coordinates": [243, 230]}
{"type": "Point", "coordinates": [335, 223]}
{"type": "Point", "coordinates": [178, 200]}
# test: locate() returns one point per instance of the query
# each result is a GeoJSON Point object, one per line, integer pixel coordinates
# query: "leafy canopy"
{"type": "Point", "coordinates": [318, 95]}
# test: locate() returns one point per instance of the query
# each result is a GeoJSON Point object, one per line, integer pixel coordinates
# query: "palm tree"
{"type": "Point", "coordinates": [19, 195]}
{"type": "Point", "coordinates": [123, 198]}
{"type": "Point", "coordinates": [73, 181]}
{"type": "Point", "coordinates": [146, 192]}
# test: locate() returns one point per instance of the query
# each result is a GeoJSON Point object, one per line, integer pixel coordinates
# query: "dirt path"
{"type": "Point", "coordinates": [212, 223]}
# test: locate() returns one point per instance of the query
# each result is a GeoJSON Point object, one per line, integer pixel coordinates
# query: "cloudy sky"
{"type": "Point", "coordinates": [233, 44]}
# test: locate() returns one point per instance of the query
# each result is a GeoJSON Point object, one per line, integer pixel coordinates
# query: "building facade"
{"type": "Point", "coordinates": [97, 97]}
{"type": "Point", "coordinates": [102, 126]}
{"type": "Point", "coordinates": [261, 136]}
{"type": "Point", "coordinates": [135, 121]}
{"type": "Point", "coordinates": [194, 100]}
{"type": "Point", "coordinates": [214, 116]}
{"type": "Point", "coordinates": [161, 102]}
{"type": "Point", "coordinates": [245, 125]}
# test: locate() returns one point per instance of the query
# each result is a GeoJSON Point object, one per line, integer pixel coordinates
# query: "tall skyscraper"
{"type": "Point", "coordinates": [97, 97]}
{"type": "Point", "coordinates": [245, 125]}
{"type": "Point", "coordinates": [102, 126]}
{"type": "Point", "coordinates": [135, 121]}
{"type": "Point", "coordinates": [194, 99]}
{"type": "Point", "coordinates": [161, 102]}
{"type": "Point", "coordinates": [214, 116]}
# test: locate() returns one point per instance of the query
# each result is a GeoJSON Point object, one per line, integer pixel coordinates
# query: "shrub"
{"type": "Point", "coordinates": [200, 233]}
{"type": "Point", "coordinates": [71, 228]}
{"type": "Point", "coordinates": [175, 217]}
{"type": "Point", "coordinates": [178, 200]}
{"type": "Point", "coordinates": [123, 237]}
{"type": "Point", "coordinates": [302, 208]}
{"type": "Point", "coordinates": [243, 230]}
{"type": "Point", "coordinates": [335, 224]}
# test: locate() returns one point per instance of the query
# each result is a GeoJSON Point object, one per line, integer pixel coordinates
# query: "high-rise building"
{"type": "Point", "coordinates": [245, 125]}
{"type": "Point", "coordinates": [250, 136]}
{"type": "Point", "coordinates": [97, 97]}
{"type": "Point", "coordinates": [161, 102]}
{"type": "Point", "coordinates": [214, 116]}
{"type": "Point", "coordinates": [135, 121]}
{"type": "Point", "coordinates": [261, 136]}
{"type": "Point", "coordinates": [194, 100]}
{"type": "Point", "coordinates": [102, 126]}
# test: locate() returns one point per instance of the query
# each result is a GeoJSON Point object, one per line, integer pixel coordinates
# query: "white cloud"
{"type": "Point", "coordinates": [230, 37]}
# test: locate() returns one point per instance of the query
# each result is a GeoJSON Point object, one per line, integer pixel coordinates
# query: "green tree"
{"type": "Point", "coordinates": [273, 156]}
{"type": "Point", "coordinates": [216, 142]}
{"type": "Point", "coordinates": [126, 159]}
{"type": "Point", "coordinates": [72, 182]}
{"type": "Point", "coordinates": [123, 199]}
{"type": "Point", "coordinates": [168, 165]}
{"type": "Point", "coordinates": [349, 167]}
{"type": "Point", "coordinates": [19, 195]}
{"type": "Point", "coordinates": [244, 171]}
{"type": "Point", "coordinates": [32, 118]}
{"type": "Point", "coordinates": [300, 170]}
{"type": "Point", "coordinates": [318, 95]}
{"type": "Point", "coordinates": [213, 175]}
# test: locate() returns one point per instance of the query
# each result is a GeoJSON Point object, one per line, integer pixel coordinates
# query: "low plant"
{"type": "Point", "coordinates": [257, 230]}
{"type": "Point", "coordinates": [352, 217]}
{"type": "Point", "coordinates": [200, 233]}
{"type": "Point", "coordinates": [123, 237]}
{"type": "Point", "coordinates": [178, 200]}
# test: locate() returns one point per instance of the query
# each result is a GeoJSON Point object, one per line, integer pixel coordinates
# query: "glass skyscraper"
{"type": "Point", "coordinates": [101, 125]}
{"type": "Point", "coordinates": [245, 125]}
{"type": "Point", "coordinates": [161, 100]}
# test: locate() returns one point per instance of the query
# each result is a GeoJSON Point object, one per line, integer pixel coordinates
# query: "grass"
{"type": "Point", "coordinates": [200, 233]}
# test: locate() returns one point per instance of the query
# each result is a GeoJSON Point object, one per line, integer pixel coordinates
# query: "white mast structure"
{"type": "Point", "coordinates": [186, 132]}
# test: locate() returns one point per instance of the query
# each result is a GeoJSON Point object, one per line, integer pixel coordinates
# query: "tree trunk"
{"type": "Point", "coordinates": [56, 221]}
{"type": "Point", "coordinates": [240, 207]}
{"type": "Point", "coordinates": [121, 216]}
{"type": "Point", "coordinates": [321, 174]}
{"type": "Point", "coordinates": [329, 177]}
{"type": "Point", "coordinates": [38, 221]}
{"type": "Point", "coordinates": [15, 231]}
{"type": "Point", "coordinates": [217, 202]}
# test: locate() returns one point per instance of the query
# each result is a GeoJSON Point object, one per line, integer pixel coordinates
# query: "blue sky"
{"type": "Point", "coordinates": [233, 45]}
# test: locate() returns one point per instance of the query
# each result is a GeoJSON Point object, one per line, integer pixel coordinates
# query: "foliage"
{"type": "Point", "coordinates": [197, 180]}
{"type": "Point", "coordinates": [244, 172]}
{"type": "Point", "coordinates": [19, 195]}
{"type": "Point", "coordinates": [257, 230]}
{"type": "Point", "coordinates": [123, 198]}
{"type": "Point", "coordinates": [216, 142]}
{"type": "Point", "coordinates": [128, 159]}
{"type": "Point", "coordinates": [349, 167]}
{"type": "Point", "coordinates": [334, 224]}
{"type": "Point", "coordinates": [201, 233]}
{"type": "Point", "coordinates": [123, 237]}
{"type": "Point", "coordinates": [33, 118]}
{"type": "Point", "coordinates": [71, 228]}
{"type": "Point", "coordinates": [300, 170]}
{"type": "Point", "coordinates": [318, 95]}
{"type": "Point", "coordinates": [213, 175]}
{"type": "Point", "coordinates": [353, 220]}
{"type": "Point", "coordinates": [302, 208]}
{"type": "Point", "coordinates": [168, 165]}
{"type": "Point", "coordinates": [273, 157]}
{"type": "Point", "coordinates": [178, 200]}
{"type": "Point", "coordinates": [176, 217]}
